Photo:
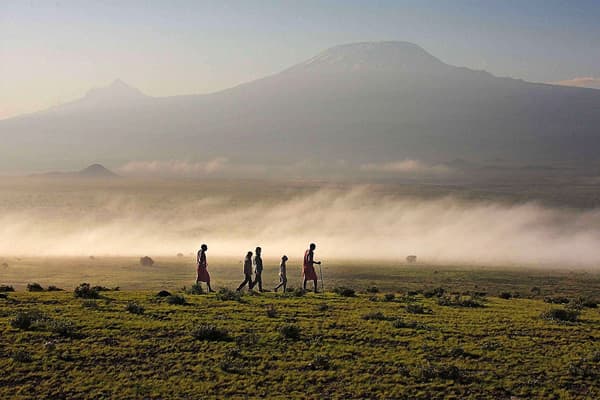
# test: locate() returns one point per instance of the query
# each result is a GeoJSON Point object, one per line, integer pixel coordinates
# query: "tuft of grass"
{"type": "Point", "coordinates": [271, 311]}
{"type": "Point", "coordinates": [561, 315]}
{"type": "Point", "coordinates": [376, 316]}
{"type": "Point", "coordinates": [226, 294]}
{"type": "Point", "coordinates": [6, 288]}
{"type": "Point", "coordinates": [195, 289]}
{"type": "Point", "coordinates": [389, 297]}
{"type": "Point", "coordinates": [372, 289]}
{"type": "Point", "coordinates": [22, 356]}
{"type": "Point", "coordinates": [505, 295]}
{"type": "Point", "coordinates": [437, 292]}
{"type": "Point", "coordinates": [60, 327]}
{"type": "Point", "coordinates": [34, 287]}
{"type": "Point", "coordinates": [320, 362]}
{"type": "Point", "coordinates": [211, 333]}
{"type": "Point", "coordinates": [345, 291]}
{"type": "Point", "coordinates": [459, 301]}
{"type": "Point", "coordinates": [415, 308]}
{"type": "Point", "coordinates": [290, 331]}
{"type": "Point", "coordinates": [134, 308]}
{"type": "Point", "coordinates": [428, 372]}
{"type": "Point", "coordinates": [176, 300]}
{"type": "Point", "coordinates": [401, 324]}
{"type": "Point", "coordinates": [85, 291]}
{"type": "Point", "coordinates": [323, 307]}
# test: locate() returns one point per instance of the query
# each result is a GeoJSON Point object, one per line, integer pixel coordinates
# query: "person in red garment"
{"type": "Point", "coordinates": [309, 272]}
{"type": "Point", "coordinates": [202, 269]}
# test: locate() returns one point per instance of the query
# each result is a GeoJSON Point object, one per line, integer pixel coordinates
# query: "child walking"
{"type": "Point", "coordinates": [282, 274]}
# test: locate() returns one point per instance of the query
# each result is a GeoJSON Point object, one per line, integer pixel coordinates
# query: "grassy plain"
{"type": "Point", "coordinates": [367, 346]}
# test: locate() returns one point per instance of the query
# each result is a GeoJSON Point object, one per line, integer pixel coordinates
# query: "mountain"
{"type": "Point", "coordinates": [361, 102]}
{"type": "Point", "coordinates": [92, 171]}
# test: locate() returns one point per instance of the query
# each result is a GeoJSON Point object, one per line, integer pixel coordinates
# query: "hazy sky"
{"type": "Point", "coordinates": [54, 51]}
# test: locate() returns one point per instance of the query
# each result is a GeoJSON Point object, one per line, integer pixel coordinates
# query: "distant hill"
{"type": "Point", "coordinates": [92, 171]}
{"type": "Point", "coordinates": [361, 103]}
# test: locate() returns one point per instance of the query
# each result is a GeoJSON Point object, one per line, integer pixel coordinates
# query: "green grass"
{"type": "Point", "coordinates": [213, 348]}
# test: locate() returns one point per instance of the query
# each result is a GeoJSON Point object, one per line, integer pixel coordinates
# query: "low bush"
{"type": "Point", "coordinates": [53, 288]}
{"type": "Point", "coordinates": [323, 307]}
{"type": "Point", "coordinates": [84, 291]}
{"type": "Point", "coordinates": [415, 308]}
{"type": "Point", "coordinates": [389, 297]}
{"type": "Point", "coordinates": [134, 308]}
{"type": "Point", "coordinates": [34, 287]}
{"type": "Point", "coordinates": [22, 356]}
{"type": "Point", "coordinates": [146, 261]}
{"type": "Point", "coordinates": [345, 291]}
{"type": "Point", "coordinates": [176, 300]}
{"type": "Point", "coordinates": [195, 289]}
{"type": "Point", "coordinates": [505, 295]}
{"type": "Point", "coordinates": [561, 315]}
{"type": "Point", "coordinates": [211, 333]}
{"type": "Point", "coordinates": [290, 331]}
{"type": "Point", "coordinates": [6, 288]}
{"type": "Point", "coordinates": [556, 300]}
{"type": "Point", "coordinates": [320, 362]}
{"type": "Point", "coordinates": [536, 291]}
{"type": "Point", "coordinates": [271, 311]}
{"type": "Point", "coordinates": [61, 327]}
{"type": "Point", "coordinates": [225, 294]}
{"type": "Point", "coordinates": [437, 292]}
{"type": "Point", "coordinates": [401, 324]}
{"type": "Point", "coordinates": [25, 319]}
{"type": "Point", "coordinates": [459, 301]}
{"type": "Point", "coordinates": [372, 289]}
{"type": "Point", "coordinates": [89, 304]}
{"type": "Point", "coordinates": [163, 293]}
{"type": "Point", "coordinates": [428, 372]}
{"type": "Point", "coordinates": [376, 316]}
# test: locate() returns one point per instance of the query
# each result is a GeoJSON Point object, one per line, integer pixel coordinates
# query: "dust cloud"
{"type": "Point", "coordinates": [347, 224]}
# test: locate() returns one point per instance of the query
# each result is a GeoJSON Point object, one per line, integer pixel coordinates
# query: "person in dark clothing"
{"type": "Point", "coordinates": [282, 274]}
{"type": "Point", "coordinates": [258, 269]}
{"type": "Point", "coordinates": [202, 274]}
{"type": "Point", "coordinates": [247, 272]}
{"type": "Point", "coordinates": [308, 270]}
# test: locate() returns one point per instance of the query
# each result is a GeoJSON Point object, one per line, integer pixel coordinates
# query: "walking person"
{"type": "Point", "coordinates": [247, 272]}
{"type": "Point", "coordinates": [282, 274]}
{"type": "Point", "coordinates": [308, 270]}
{"type": "Point", "coordinates": [202, 274]}
{"type": "Point", "coordinates": [258, 269]}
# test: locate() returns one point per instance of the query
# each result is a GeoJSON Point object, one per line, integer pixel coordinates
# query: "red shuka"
{"type": "Point", "coordinates": [309, 269]}
{"type": "Point", "coordinates": [202, 270]}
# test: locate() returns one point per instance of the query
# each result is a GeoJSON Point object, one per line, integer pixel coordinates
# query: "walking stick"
{"type": "Point", "coordinates": [322, 284]}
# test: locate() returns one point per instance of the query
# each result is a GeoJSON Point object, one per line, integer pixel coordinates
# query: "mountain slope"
{"type": "Point", "coordinates": [363, 102]}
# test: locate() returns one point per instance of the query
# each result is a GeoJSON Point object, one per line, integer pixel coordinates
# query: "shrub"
{"type": "Point", "coordinates": [60, 327]}
{"type": "Point", "coordinates": [389, 297]}
{"type": "Point", "coordinates": [375, 316]}
{"type": "Point", "coordinates": [53, 288]}
{"type": "Point", "coordinates": [290, 331]}
{"type": "Point", "coordinates": [225, 294]}
{"type": "Point", "coordinates": [271, 311]}
{"type": "Point", "coordinates": [22, 356]}
{"type": "Point", "coordinates": [25, 319]}
{"type": "Point", "coordinates": [103, 289]}
{"type": "Point", "coordinates": [323, 307]}
{"type": "Point", "coordinates": [505, 295]}
{"type": "Point", "coordinates": [163, 293]}
{"type": "Point", "coordinates": [3, 296]}
{"type": "Point", "coordinates": [536, 291]}
{"type": "Point", "coordinates": [320, 362]}
{"type": "Point", "coordinates": [582, 302]}
{"type": "Point", "coordinates": [134, 308]}
{"type": "Point", "coordinates": [84, 291]}
{"type": "Point", "coordinates": [176, 300]}
{"type": "Point", "coordinates": [561, 315]}
{"type": "Point", "coordinates": [415, 308]}
{"type": "Point", "coordinates": [372, 289]}
{"type": "Point", "coordinates": [89, 304]}
{"type": "Point", "coordinates": [146, 261]}
{"type": "Point", "coordinates": [345, 291]}
{"type": "Point", "coordinates": [459, 301]}
{"type": "Point", "coordinates": [195, 289]}
{"type": "Point", "coordinates": [437, 292]}
{"type": "Point", "coordinates": [6, 288]}
{"type": "Point", "coordinates": [401, 324]}
{"type": "Point", "coordinates": [34, 287]}
{"type": "Point", "coordinates": [211, 333]}
{"type": "Point", "coordinates": [556, 300]}
{"type": "Point", "coordinates": [428, 372]}
{"type": "Point", "coordinates": [231, 361]}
